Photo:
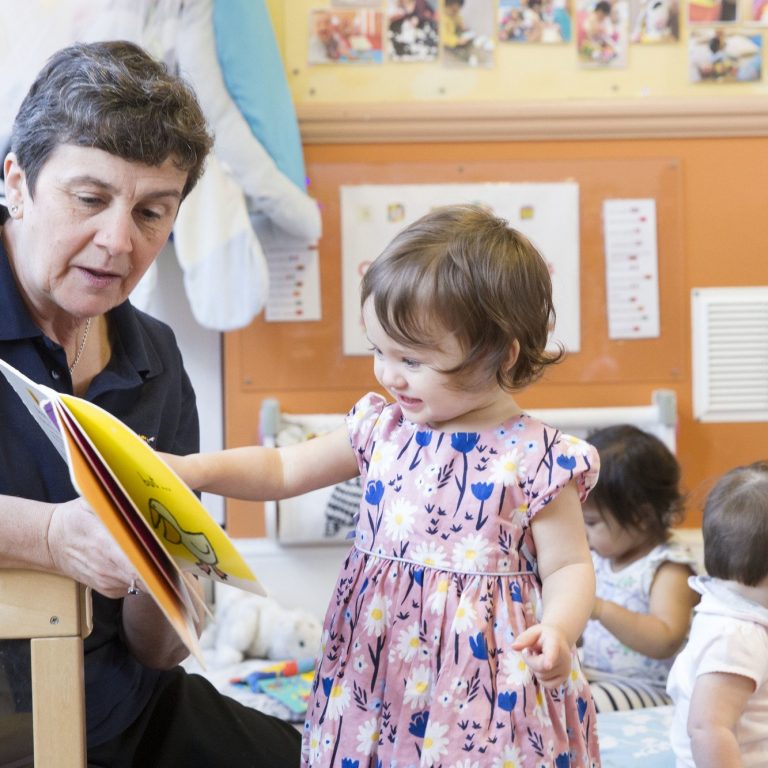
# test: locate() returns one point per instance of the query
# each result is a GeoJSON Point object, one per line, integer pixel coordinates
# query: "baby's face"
{"type": "Point", "coordinates": [609, 540]}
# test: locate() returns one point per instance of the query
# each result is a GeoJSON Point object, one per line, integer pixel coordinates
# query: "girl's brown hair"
{"type": "Point", "coordinates": [460, 269]}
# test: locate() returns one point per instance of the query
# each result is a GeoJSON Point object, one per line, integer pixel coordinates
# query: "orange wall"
{"type": "Point", "coordinates": [712, 233]}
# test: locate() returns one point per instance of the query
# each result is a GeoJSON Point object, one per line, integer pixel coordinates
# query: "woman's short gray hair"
{"type": "Point", "coordinates": [115, 97]}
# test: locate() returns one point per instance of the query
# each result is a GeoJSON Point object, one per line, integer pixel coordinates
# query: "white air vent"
{"type": "Point", "coordinates": [730, 353]}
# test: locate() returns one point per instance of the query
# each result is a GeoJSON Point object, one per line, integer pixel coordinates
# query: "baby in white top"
{"type": "Point", "coordinates": [719, 681]}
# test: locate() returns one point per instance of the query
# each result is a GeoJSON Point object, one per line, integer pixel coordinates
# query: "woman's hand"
{"type": "Point", "coordinates": [547, 653]}
{"type": "Point", "coordinates": [83, 549]}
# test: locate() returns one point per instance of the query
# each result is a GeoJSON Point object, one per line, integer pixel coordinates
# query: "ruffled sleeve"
{"type": "Point", "coordinates": [671, 552]}
{"type": "Point", "coordinates": [566, 459]}
{"type": "Point", "coordinates": [361, 420]}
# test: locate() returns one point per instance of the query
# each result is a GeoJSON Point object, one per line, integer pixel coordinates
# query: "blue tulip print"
{"type": "Point", "coordinates": [464, 443]}
{"type": "Point", "coordinates": [482, 492]}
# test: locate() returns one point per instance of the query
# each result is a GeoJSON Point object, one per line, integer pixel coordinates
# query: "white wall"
{"type": "Point", "coordinates": [201, 348]}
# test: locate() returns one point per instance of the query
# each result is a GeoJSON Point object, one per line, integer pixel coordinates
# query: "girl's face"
{"type": "Point", "coordinates": [611, 541]}
{"type": "Point", "coordinates": [413, 378]}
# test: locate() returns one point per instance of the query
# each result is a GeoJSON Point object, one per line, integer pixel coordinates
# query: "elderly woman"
{"type": "Point", "coordinates": [105, 147]}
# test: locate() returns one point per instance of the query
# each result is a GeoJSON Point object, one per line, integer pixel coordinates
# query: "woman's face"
{"type": "Point", "coordinates": [95, 225]}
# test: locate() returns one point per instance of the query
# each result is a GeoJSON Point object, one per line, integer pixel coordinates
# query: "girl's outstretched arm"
{"type": "Point", "coordinates": [258, 473]}
{"type": "Point", "coordinates": [568, 587]}
{"type": "Point", "coordinates": [660, 632]}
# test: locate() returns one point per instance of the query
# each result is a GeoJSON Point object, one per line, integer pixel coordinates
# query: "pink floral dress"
{"type": "Point", "coordinates": [417, 667]}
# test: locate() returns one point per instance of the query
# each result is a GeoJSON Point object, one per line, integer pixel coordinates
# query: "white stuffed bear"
{"type": "Point", "coordinates": [251, 626]}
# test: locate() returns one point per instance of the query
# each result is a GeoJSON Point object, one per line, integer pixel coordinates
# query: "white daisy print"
{"type": "Point", "coordinates": [445, 699]}
{"type": "Point", "coordinates": [435, 743]}
{"type": "Point", "coordinates": [572, 446]}
{"type": "Point", "coordinates": [430, 553]}
{"type": "Point", "coordinates": [337, 700]}
{"type": "Point", "coordinates": [541, 710]}
{"type": "Point", "coordinates": [381, 458]}
{"type": "Point", "coordinates": [509, 758]}
{"type": "Point", "coordinates": [359, 664]}
{"type": "Point", "coordinates": [418, 688]}
{"type": "Point", "coordinates": [436, 601]}
{"type": "Point", "coordinates": [368, 736]}
{"type": "Point", "coordinates": [515, 669]}
{"type": "Point", "coordinates": [408, 642]}
{"type": "Point", "coordinates": [376, 616]}
{"type": "Point", "coordinates": [426, 485]}
{"type": "Point", "coordinates": [398, 518]}
{"type": "Point", "coordinates": [465, 618]}
{"type": "Point", "coordinates": [507, 468]}
{"type": "Point", "coordinates": [315, 743]}
{"type": "Point", "coordinates": [574, 681]}
{"type": "Point", "coordinates": [471, 554]}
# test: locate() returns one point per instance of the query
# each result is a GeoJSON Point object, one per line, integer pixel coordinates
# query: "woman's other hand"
{"type": "Point", "coordinates": [82, 548]}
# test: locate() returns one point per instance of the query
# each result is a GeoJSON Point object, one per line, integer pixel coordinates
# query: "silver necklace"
{"type": "Point", "coordinates": [80, 349]}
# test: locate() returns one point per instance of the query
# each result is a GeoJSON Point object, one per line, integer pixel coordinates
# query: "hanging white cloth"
{"type": "Point", "coordinates": [225, 273]}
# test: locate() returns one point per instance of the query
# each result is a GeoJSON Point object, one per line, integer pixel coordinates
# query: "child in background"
{"type": "Point", "coordinates": [450, 636]}
{"type": "Point", "coordinates": [643, 606]}
{"type": "Point", "coordinates": [719, 682]}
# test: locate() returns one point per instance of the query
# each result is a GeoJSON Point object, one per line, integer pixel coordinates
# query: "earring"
{"type": "Point", "coordinates": [14, 210]}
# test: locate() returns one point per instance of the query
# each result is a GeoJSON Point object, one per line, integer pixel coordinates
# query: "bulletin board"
{"type": "Point", "coordinates": [312, 352]}
{"type": "Point", "coordinates": [303, 366]}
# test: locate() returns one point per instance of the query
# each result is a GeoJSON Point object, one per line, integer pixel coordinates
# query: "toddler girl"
{"type": "Point", "coordinates": [643, 604]}
{"type": "Point", "coordinates": [450, 635]}
{"type": "Point", "coordinates": [719, 682]}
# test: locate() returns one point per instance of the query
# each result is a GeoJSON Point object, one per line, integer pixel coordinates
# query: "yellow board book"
{"type": "Point", "coordinates": [156, 519]}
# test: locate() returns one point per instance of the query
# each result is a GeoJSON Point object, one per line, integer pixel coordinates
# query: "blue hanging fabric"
{"type": "Point", "coordinates": [253, 72]}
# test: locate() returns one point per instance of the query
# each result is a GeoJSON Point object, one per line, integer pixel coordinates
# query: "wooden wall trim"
{"type": "Point", "coordinates": [530, 121]}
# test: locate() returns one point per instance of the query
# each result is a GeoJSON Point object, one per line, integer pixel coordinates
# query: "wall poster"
{"type": "Point", "coordinates": [547, 213]}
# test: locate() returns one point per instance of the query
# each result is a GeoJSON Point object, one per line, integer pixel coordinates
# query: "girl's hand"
{"type": "Point", "coordinates": [547, 653]}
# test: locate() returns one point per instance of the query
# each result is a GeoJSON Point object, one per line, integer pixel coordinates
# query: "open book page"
{"type": "Point", "coordinates": [128, 515]}
{"type": "Point", "coordinates": [157, 583]}
{"type": "Point", "coordinates": [34, 396]}
{"type": "Point", "coordinates": [182, 524]}
{"type": "Point", "coordinates": [155, 518]}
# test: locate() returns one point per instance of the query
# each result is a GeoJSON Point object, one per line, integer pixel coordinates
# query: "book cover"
{"type": "Point", "coordinates": [154, 517]}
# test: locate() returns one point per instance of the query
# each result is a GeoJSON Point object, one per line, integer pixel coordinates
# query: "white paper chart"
{"type": "Point", "coordinates": [631, 268]}
{"type": "Point", "coordinates": [547, 213]}
{"type": "Point", "coordinates": [294, 285]}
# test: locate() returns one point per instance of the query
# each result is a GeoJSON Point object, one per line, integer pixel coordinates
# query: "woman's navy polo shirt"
{"type": "Point", "coordinates": [145, 386]}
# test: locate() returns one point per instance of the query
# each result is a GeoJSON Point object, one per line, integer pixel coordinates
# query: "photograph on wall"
{"type": "Point", "coordinates": [339, 36]}
{"type": "Point", "coordinates": [654, 21]}
{"type": "Point", "coordinates": [546, 213]}
{"type": "Point", "coordinates": [534, 21]}
{"type": "Point", "coordinates": [412, 30]}
{"type": "Point", "coordinates": [602, 33]}
{"type": "Point", "coordinates": [757, 11]}
{"type": "Point", "coordinates": [712, 11]}
{"type": "Point", "coordinates": [725, 55]}
{"type": "Point", "coordinates": [467, 33]}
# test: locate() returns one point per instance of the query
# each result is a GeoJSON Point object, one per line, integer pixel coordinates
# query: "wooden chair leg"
{"type": "Point", "coordinates": [58, 708]}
